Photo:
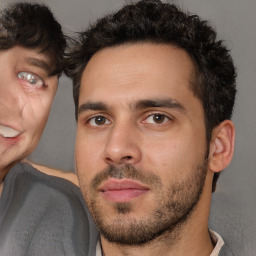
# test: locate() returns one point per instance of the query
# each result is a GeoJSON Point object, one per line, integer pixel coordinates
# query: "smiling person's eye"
{"type": "Point", "coordinates": [157, 119]}
{"type": "Point", "coordinates": [32, 79]}
{"type": "Point", "coordinates": [98, 121]}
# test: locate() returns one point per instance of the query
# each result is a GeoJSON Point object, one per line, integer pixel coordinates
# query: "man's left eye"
{"type": "Point", "coordinates": [31, 78]}
{"type": "Point", "coordinates": [157, 119]}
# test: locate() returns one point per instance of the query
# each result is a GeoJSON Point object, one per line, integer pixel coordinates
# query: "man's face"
{"type": "Point", "coordinates": [26, 94]}
{"type": "Point", "coordinates": [141, 141]}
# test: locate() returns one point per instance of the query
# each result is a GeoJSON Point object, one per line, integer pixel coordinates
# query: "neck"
{"type": "Point", "coordinates": [5, 169]}
{"type": "Point", "coordinates": [3, 173]}
{"type": "Point", "coordinates": [2, 176]}
{"type": "Point", "coordinates": [1, 188]}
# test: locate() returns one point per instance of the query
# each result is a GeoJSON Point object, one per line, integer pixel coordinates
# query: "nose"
{"type": "Point", "coordinates": [123, 145]}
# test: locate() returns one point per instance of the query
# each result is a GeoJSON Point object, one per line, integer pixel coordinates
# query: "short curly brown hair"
{"type": "Point", "coordinates": [33, 26]}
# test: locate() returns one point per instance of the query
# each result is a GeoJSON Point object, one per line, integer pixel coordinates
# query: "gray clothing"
{"type": "Point", "coordinates": [225, 251]}
{"type": "Point", "coordinates": [44, 215]}
{"type": "Point", "coordinates": [41, 215]}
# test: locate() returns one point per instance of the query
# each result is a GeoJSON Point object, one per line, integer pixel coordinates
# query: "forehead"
{"type": "Point", "coordinates": [137, 70]}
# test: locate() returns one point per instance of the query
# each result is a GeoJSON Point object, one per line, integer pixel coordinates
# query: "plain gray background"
{"type": "Point", "coordinates": [234, 203]}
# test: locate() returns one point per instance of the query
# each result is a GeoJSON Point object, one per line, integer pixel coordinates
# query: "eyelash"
{"type": "Point", "coordinates": [30, 77]}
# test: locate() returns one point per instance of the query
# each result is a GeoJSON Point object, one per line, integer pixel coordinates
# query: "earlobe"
{"type": "Point", "coordinates": [221, 146]}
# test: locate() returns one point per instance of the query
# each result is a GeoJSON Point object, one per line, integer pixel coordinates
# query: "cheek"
{"type": "Point", "coordinates": [85, 148]}
{"type": "Point", "coordinates": [172, 159]}
{"type": "Point", "coordinates": [37, 119]}
{"type": "Point", "coordinates": [87, 155]}
{"type": "Point", "coordinates": [37, 108]}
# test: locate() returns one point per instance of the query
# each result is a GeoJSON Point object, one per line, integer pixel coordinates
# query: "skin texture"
{"type": "Point", "coordinates": [137, 110]}
{"type": "Point", "coordinates": [24, 105]}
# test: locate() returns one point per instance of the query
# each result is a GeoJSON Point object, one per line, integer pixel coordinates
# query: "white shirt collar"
{"type": "Point", "coordinates": [98, 249]}
{"type": "Point", "coordinates": [217, 239]}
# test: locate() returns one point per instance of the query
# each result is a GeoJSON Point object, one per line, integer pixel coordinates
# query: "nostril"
{"type": "Point", "coordinates": [108, 159]}
{"type": "Point", "coordinates": [119, 160]}
{"type": "Point", "coordinates": [127, 158]}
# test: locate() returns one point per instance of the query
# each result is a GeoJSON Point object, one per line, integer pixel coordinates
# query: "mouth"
{"type": "Point", "coordinates": [8, 132]}
{"type": "Point", "coordinates": [124, 190]}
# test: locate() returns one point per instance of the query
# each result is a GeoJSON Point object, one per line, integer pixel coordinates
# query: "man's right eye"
{"type": "Point", "coordinates": [98, 121]}
{"type": "Point", "coordinates": [32, 79]}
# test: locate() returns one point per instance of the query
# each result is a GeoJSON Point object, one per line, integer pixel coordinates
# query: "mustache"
{"type": "Point", "coordinates": [127, 171]}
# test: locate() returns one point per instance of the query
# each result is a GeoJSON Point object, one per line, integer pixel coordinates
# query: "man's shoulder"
{"type": "Point", "coordinates": [42, 211]}
{"type": "Point", "coordinates": [26, 184]}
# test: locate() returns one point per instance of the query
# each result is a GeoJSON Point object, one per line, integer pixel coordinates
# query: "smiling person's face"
{"type": "Point", "coordinates": [141, 141]}
{"type": "Point", "coordinates": [27, 92]}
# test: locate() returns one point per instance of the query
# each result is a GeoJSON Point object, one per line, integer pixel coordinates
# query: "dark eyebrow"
{"type": "Point", "coordinates": [92, 106]}
{"type": "Point", "coordinates": [39, 63]}
{"type": "Point", "coordinates": [158, 103]}
{"type": "Point", "coordinates": [141, 104]}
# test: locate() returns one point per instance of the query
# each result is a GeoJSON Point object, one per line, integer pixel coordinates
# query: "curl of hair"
{"type": "Point", "coordinates": [33, 26]}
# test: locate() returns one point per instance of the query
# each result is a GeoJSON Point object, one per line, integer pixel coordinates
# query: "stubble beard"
{"type": "Point", "coordinates": [172, 209]}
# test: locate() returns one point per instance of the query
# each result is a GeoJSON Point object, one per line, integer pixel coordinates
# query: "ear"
{"type": "Point", "coordinates": [221, 146]}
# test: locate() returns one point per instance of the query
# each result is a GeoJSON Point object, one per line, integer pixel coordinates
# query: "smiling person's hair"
{"type": "Point", "coordinates": [33, 26]}
{"type": "Point", "coordinates": [163, 23]}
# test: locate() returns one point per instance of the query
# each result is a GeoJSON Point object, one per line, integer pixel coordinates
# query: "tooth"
{"type": "Point", "coordinates": [8, 132]}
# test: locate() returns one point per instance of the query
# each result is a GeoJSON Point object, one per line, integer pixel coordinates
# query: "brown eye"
{"type": "Point", "coordinates": [159, 118]}
{"type": "Point", "coordinates": [98, 121]}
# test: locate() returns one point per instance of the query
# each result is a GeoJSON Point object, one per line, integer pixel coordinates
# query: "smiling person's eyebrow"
{"type": "Point", "coordinates": [39, 63]}
{"type": "Point", "coordinates": [96, 106]}
{"type": "Point", "coordinates": [158, 103]}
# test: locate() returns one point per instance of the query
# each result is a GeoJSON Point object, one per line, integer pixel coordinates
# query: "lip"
{"type": "Point", "coordinates": [6, 142]}
{"type": "Point", "coordinates": [124, 190]}
{"type": "Point", "coordinates": [10, 140]}
{"type": "Point", "coordinates": [12, 130]}
{"type": "Point", "coordinates": [14, 125]}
